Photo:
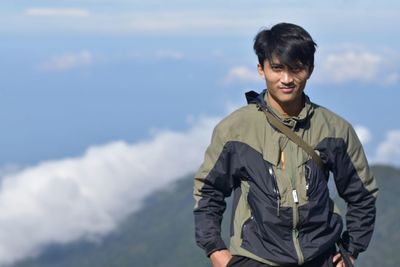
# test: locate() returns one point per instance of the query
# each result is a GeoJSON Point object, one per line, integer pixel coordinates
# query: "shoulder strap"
{"type": "Point", "coordinates": [294, 137]}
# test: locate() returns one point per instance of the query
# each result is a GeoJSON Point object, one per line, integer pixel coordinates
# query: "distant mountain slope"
{"type": "Point", "coordinates": [162, 235]}
{"type": "Point", "coordinates": [385, 245]}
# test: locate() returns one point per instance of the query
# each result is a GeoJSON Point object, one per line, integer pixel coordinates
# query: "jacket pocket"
{"type": "Point", "coordinates": [308, 178]}
{"type": "Point", "coordinates": [316, 181]}
{"type": "Point", "coordinates": [246, 225]}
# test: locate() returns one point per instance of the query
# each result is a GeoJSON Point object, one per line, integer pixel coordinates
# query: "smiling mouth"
{"type": "Point", "coordinates": [287, 87]}
{"type": "Point", "coordinates": [287, 90]}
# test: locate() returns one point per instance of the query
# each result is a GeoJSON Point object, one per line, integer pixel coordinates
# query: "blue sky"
{"type": "Point", "coordinates": [78, 73]}
{"type": "Point", "coordinates": [100, 97]}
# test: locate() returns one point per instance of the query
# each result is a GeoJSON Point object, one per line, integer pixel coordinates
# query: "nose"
{"type": "Point", "coordinates": [287, 77]}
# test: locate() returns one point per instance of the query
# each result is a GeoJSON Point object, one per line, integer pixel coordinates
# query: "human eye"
{"type": "Point", "coordinates": [276, 67]}
{"type": "Point", "coordinates": [297, 69]}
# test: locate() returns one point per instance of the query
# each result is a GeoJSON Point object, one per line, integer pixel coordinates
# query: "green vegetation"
{"type": "Point", "coordinates": [162, 235]}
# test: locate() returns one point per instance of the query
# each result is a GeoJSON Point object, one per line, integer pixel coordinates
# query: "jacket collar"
{"type": "Point", "coordinates": [277, 142]}
{"type": "Point", "coordinates": [261, 99]}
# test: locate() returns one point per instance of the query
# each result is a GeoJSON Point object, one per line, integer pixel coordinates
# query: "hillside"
{"type": "Point", "coordinates": [161, 234]}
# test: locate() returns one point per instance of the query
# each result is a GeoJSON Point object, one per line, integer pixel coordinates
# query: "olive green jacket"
{"type": "Point", "coordinates": [282, 213]}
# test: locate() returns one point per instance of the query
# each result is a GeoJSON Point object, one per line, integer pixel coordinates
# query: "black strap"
{"type": "Point", "coordinates": [293, 136]}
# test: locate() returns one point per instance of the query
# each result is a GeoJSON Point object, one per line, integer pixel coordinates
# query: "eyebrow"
{"type": "Point", "coordinates": [279, 64]}
{"type": "Point", "coordinates": [276, 64]}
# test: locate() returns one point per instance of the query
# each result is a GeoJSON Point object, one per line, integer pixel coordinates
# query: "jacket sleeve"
{"type": "Point", "coordinates": [213, 182]}
{"type": "Point", "coordinates": [357, 186]}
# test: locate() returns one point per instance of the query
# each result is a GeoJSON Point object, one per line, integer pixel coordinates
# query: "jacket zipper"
{"type": "Point", "coordinates": [295, 230]}
{"type": "Point", "coordinates": [276, 191]}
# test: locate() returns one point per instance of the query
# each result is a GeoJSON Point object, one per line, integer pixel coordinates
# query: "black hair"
{"type": "Point", "coordinates": [289, 43]}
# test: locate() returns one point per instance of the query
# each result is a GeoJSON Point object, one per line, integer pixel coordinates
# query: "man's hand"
{"type": "Point", "coordinates": [338, 261]}
{"type": "Point", "coordinates": [220, 258]}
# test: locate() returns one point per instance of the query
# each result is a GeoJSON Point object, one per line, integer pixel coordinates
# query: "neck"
{"type": "Point", "coordinates": [287, 109]}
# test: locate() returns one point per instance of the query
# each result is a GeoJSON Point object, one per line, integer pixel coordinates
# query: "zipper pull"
{"type": "Point", "coordinates": [271, 172]}
{"type": "Point", "coordinates": [307, 173]}
{"type": "Point", "coordinates": [296, 232]}
{"type": "Point", "coordinates": [276, 191]}
{"type": "Point", "coordinates": [295, 198]}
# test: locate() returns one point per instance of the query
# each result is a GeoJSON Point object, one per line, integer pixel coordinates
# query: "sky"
{"type": "Point", "coordinates": [100, 99]}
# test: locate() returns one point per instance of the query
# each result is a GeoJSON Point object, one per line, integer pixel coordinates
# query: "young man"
{"type": "Point", "coordinates": [282, 214]}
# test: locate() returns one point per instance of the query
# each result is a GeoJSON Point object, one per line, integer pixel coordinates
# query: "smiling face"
{"type": "Point", "coordinates": [285, 85]}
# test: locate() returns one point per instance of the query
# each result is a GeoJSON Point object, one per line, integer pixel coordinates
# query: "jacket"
{"type": "Point", "coordinates": [282, 213]}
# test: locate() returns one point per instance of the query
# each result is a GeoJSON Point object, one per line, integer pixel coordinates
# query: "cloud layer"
{"type": "Point", "coordinates": [66, 62]}
{"type": "Point", "coordinates": [358, 65]}
{"type": "Point", "coordinates": [242, 74]}
{"type": "Point", "coordinates": [363, 134]}
{"type": "Point", "coordinates": [211, 17]}
{"type": "Point", "coordinates": [348, 66]}
{"type": "Point", "coordinates": [388, 151]}
{"type": "Point", "coordinates": [85, 197]}
{"type": "Point", "coordinates": [58, 12]}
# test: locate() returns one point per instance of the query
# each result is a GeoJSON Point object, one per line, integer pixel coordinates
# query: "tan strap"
{"type": "Point", "coordinates": [294, 137]}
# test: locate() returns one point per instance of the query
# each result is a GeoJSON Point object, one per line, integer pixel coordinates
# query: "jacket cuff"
{"type": "Point", "coordinates": [347, 245]}
{"type": "Point", "coordinates": [352, 252]}
{"type": "Point", "coordinates": [217, 245]}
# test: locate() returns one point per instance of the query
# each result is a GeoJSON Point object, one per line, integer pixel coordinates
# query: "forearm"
{"type": "Point", "coordinates": [360, 223]}
{"type": "Point", "coordinates": [207, 218]}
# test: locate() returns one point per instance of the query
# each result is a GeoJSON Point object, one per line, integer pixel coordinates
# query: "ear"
{"type": "Point", "coordinates": [261, 71]}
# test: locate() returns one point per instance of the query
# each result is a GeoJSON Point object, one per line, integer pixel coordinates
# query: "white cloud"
{"type": "Point", "coordinates": [212, 17]}
{"type": "Point", "coordinates": [388, 151]}
{"type": "Point", "coordinates": [356, 64]}
{"type": "Point", "coordinates": [352, 66]}
{"type": "Point", "coordinates": [65, 200]}
{"type": "Point", "coordinates": [134, 20]}
{"type": "Point", "coordinates": [242, 74]}
{"type": "Point", "coordinates": [67, 61]}
{"type": "Point", "coordinates": [58, 12]}
{"type": "Point", "coordinates": [363, 134]}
